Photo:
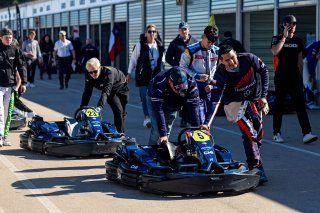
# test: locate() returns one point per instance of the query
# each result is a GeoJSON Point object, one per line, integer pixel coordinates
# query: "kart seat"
{"type": "Point", "coordinates": [72, 127]}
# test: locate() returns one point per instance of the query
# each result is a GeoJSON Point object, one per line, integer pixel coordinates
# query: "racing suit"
{"type": "Point", "coordinates": [197, 60]}
{"type": "Point", "coordinates": [241, 89]}
{"type": "Point", "coordinates": [114, 90]}
{"type": "Point", "coordinates": [163, 105]}
{"type": "Point", "coordinates": [11, 61]}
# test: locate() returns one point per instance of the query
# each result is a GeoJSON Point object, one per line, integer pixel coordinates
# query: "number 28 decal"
{"type": "Point", "coordinates": [91, 113]}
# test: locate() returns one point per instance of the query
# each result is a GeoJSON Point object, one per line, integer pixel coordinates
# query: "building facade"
{"type": "Point", "coordinates": [253, 22]}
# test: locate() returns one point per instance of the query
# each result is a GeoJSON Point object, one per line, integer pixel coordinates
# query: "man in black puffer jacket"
{"type": "Point", "coordinates": [114, 90]}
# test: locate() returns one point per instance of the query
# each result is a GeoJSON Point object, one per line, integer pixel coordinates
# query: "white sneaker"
{"type": "Point", "coordinates": [147, 122]}
{"type": "Point", "coordinates": [309, 138]}
{"type": "Point", "coordinates": [32, 85]}
{"type": "Point", "coordinates": [277, 138]}
{"type": "Point", "coordinates": [6, 142]}
{"type": "Point", "coordinates": [1, 141]}
{"type": "Point", "coordinates": [28, 84]}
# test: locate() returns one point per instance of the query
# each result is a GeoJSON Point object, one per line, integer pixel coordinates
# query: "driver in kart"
{"type": "Point", "coordinates": [243, 81]}
{"type": "Point", "coordinates": [168, 91]}
{"type": "Point", "coordinates": [114, 90]}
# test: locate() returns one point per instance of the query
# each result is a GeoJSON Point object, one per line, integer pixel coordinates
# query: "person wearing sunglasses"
{"type": "Point", "coordinates": [114, 90]}
{"type": "Point", "coordinates": [167, 93]}
{"type": "Point", "coordinates": [288, 66]}
{"type": "Point", "coordinates": [200, 61]}
{"type": "Point", "coordinates": [147, 60]}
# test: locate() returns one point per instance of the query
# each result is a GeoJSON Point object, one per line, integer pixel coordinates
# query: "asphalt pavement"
{"type": "Point", "coordinates": [33, 182]}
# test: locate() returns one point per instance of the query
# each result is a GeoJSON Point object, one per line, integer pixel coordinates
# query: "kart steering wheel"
{"type": "Point", "coordinates": [183, 131]}
{"type": "Point", "coordinates": [77, 114]}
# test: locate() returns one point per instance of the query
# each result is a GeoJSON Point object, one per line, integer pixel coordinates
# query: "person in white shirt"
{"type": "Point", "coordinates": [62, 53]}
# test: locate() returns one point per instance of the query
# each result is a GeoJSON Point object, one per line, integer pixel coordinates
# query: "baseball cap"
{"type": "Point", "coordinates": [178, 78]}
{"type": "Point", "coordinates": [289, 19]}
{"type": "Point", "coordinates": [6, 31]}
{"type": "Point", "coordinates": [183, 25]}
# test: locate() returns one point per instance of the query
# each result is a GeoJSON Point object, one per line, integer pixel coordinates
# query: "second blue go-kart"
{"type": "Point", "coordinates": [195, 166]}
{"type": "Point", "coordinates": [84, 135]}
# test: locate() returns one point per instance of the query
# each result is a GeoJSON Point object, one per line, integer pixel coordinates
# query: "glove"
{"type": "Point", "coordinates": [98, 109]}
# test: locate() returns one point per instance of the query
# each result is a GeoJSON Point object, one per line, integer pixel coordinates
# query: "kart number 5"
{"type": "Point", "coordinates": [200, 136]}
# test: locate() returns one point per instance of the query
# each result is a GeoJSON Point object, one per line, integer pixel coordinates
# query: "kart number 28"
{"type": "Point", "coordinates": [200, 136]}
{"type": "Point", "coordinates": [91, 113]}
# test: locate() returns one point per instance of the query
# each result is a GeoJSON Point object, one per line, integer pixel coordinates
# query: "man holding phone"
{"type": "Point", "coordinates": [288, 64]}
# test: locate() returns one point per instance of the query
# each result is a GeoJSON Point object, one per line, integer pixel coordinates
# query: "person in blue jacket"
{"type": "Point", "coordinates": [243, 81]}
{"type": "Point", "coordinates": [167, 93]}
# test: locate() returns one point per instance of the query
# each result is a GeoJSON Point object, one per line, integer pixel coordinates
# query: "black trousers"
{"type": "Point", "coordinates": [118, 102]}
{"type": "Point", "coordinates": [46, 66]}
{"type": "Point", "coordinates": [31, 70]}
{"type": "Point", "coordinates": [64, 67]}
{"type": "Point", "coordinates": [294, 87]}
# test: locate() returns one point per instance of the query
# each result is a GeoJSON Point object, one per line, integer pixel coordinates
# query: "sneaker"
{"type": "Point", "coordinates": [277, 138]}
{"type": "Point", "coordinates": [32, 85]}
{"type": "Point", "coordinates": [6, 142]}
{"type": "Point", "coordinates": [1, 141]}
{"type": "Point", "coordinates": [260, 171]}
{"type": "Point", "coordinates": [147, 123]}
{"type": "Point", "coordinates": [28, 84]}
{"type": "Point", "coordinates": [309, 138]}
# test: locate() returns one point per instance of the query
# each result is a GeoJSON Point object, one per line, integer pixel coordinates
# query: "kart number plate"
{"type": "Point", "coordinates": [200, 136]}
{"type": "Point", "coordinates": [91, 113]}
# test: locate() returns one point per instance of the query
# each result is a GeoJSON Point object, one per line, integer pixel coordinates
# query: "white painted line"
{"type": "Point", "coordinates": [93, 180]}
{"type": "Point", "coordinates": [272, 143]}
{"type": "Point", "coordinates": [32, 188]}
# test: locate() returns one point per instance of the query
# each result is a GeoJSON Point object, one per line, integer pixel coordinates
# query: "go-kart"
{"type": "Point", "coordinates": [84, 135]}
{"type": "Point", "coordinates": [195, 166]}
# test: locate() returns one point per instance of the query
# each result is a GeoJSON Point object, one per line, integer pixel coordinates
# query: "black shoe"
{"type": "Point", "coordinates": [41, 77]}
{"type": "Point", "coordinates": [49, 77]}
{"type": "Point", "coordinates": [260, 171]}
{"type": "Point", "coordinates": [67, 86]}
{"type": "Point", "coordinates": [61, 87]}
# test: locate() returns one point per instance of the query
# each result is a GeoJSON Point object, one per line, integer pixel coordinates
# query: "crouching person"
{"type": "Point", "coordinates": [167, 93]}
{"type": "Point", "coordinates": [114, 90]}
{"type": "Point", "coordinates": [243, 79]}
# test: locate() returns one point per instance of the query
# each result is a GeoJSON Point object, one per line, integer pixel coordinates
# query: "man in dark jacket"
{"type": "Point", "coordinates": [87, 52]}
{"type": "Point", "coordinates": [243, 80]}
{"type": "Point", "coordinates": [173, 55]}
{"type": "Point", "coordinates": [167, 93]}
{"type": "Point", "coordinates": [114, 90]}
{"type": "Point", "coordinates": [11, 61]}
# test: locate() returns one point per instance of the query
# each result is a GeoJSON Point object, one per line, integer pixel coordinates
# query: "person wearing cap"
{"type": "Point", "coordinates": [167, 93]}
{"type": "Point", "coordinates": [288, 66]}
{"type": "Point", "coordinates": [11, 63]}
{"type": "Point", "coordinates": [31, 51]}
{"type": "Point", "coordinates": [147, 59]}
{"type": "Point", "coordinates": [200, 61]}
{"type": "Point", "coordinates": [243, 81]}
{"type": "Point", "coordinates": [114, 90]}
{"type": "Point", "coordinates": [176, 47]}
{"type": "Point", "coordinates": [63, 56]}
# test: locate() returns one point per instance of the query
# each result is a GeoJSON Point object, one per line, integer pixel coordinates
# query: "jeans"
{"type": "Point", "coordinates": [143, 96]}
{"type": "Point", "coordinates": [170, 116]}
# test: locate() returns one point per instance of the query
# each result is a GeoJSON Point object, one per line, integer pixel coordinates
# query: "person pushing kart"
{"type": "Point", "coordinates": [243, 81]}
{"type": "Point", "coordinates": [114, 90]}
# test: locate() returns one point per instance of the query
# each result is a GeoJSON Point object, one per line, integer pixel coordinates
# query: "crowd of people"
{"type": "Point", "coordinates": [201, 73]}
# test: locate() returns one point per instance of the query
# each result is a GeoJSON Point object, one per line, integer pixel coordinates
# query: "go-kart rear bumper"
{"type": "Point", "coordinates": [198, 183]}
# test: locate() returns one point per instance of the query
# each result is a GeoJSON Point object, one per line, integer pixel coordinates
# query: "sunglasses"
{"type": "Point", "coordinates": [93, 72]}
{"type": "Point", "coordinates": [152, 31]}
